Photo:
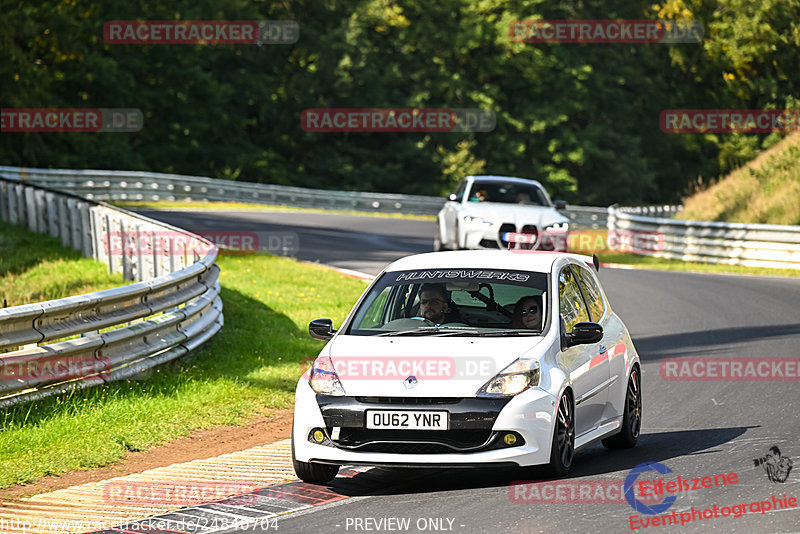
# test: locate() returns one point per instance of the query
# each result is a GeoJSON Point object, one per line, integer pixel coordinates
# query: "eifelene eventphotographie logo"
{"type": "Point", "coordinates": [776, 466]}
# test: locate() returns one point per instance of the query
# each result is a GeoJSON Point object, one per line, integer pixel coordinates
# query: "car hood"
{"type": "Point", "coordinates": [443, 366]}
{"type": "Point", "coordinates": [514, 213]}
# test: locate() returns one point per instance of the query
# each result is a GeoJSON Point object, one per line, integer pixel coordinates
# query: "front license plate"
{"type": "Point", "coordinates": [407, 420]}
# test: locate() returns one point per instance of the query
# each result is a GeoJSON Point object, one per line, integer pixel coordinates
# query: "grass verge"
{"type": "Point", "coordinates": [245, 206]}
{"type": "Point", "coordinates": [766, 190]}
{"type": "Point", "coordinates": [252, 365]}
{"type": "Point", "coordinates": [35, 267]}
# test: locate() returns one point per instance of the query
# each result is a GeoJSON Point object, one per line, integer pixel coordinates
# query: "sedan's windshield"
{"type": "Point", "coordinates": [507, 192]}
{"type": "Point", "coordinates": [454, 302]}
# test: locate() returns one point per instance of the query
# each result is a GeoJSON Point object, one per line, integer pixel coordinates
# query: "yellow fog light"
{"type": "Point", "coordinates": [318, 436]}
{"type": "Point", "coordinates": [509, 439]}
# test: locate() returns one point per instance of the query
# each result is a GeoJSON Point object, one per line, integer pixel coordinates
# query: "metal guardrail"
{"type": "Point", "coordinates": [752, 245]}
{"type": "Point", "coordinates": [586, 216]}
{"type": "Point", "coordinates": [173, 308]}
{"type": "Point", "coordinates": [150, 186]}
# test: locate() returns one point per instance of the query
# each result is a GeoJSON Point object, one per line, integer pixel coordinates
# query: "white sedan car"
{"type": "Point", "coordinates": [509, 358]}
{"type": "Point", "coordinates": [495, 211]}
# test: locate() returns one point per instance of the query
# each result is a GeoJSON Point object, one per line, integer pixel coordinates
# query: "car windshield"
{"type": "Point", "coordinates": [454, 302]}
{"type": "Point", "coordinates": [507, 192]}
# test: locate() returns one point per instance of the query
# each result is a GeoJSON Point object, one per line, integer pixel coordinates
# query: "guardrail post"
{"type": "Point", "coordinates": [108, 236]}
{"type": "Point", "coordinates": [95, 228]}
{"type": "Point", "coordinates": [86, 230]}
{"type": "Point", "coordinates": [139, 256]}
{"type": "Point", "coordinates": [76, 240]}
{"type": "Point", "coordinates": [30, 208]}
{"type": "Point", "coordinates": [52, 213]}
{"type": "Point", "coordinates": [13, 209]}
{"type": "Point", "coordinates": [156, 244]}
{"type": "Point", "coordinates": [4, 199]}
{"type": "Point", "coordinates": [127, 267]}
{"type": "Point", "coordinates": [64, 222]}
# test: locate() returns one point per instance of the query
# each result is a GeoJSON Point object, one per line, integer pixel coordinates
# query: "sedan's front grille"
{"type": "Point", "coordinates": [505, 228]}
{"type": "Point", "coordinates": [408, 401]}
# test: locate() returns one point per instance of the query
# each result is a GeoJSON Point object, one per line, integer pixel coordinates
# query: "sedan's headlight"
{"type": "Point", "coordinates": [469, 219]}
{"type": "Point", "coordinates": [516, 378]}
{"type": "Point", "coordinates": [324, 378]}
{"type": "Point", "coordinates": [557, 227]}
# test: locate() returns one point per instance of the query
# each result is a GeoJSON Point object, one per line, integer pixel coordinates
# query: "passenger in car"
{"type": "Point", "coordinates": [528, 313]}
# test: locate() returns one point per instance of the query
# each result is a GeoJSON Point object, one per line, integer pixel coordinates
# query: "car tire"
{"type": "Point", "coordinates": [313, 473]}
{"type": "Point", "coordinates": [562, 449]}
{"type": "Point", "coordinates": [632, 417]}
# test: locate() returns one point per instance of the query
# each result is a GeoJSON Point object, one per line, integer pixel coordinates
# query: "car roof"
{"type": "Point", "coordinates": [522, 260]}
{"type": "Point", "coordinates": [500, 179]}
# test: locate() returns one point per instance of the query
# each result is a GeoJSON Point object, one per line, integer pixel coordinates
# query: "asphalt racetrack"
{"type": "Point", "coordinates": [695, 428]}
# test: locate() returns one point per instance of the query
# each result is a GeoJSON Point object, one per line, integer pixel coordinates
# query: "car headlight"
{"type": "Point", "coordinates": [516, 378]}
{"type": "Point", "coordinates": [557, 227]}
{"type": "Point", "coordinates": [469, 219]}
{"type": "Point", "coordinates": [324, 378]}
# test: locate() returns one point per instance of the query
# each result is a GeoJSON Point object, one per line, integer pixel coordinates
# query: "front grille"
{"type": "Point", "coordinates": [413, 441]}
{"type": "Point", "coordinates": [488, 243]}
{"type": "Point", "coordinates": [408, 401]}
{"type": "Point", "coordinates": [407, 448]}
{"type": "Point", "coordinates": [468, 413]}
{"type": "Point", "coordinates": [531, 230]}
{"type": "Point", "coordinates": [504, 228]}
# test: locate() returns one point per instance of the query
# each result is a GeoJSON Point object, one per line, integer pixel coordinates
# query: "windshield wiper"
{"type": "Point", "coordinates": [443, 331]}
{"type": "Point", "coordinates": [504, 333]}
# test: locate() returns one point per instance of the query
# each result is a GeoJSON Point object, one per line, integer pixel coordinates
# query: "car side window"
{"type": "Point", "coordinates": [373, 313]}
{"type": "Point", "coordinates": [591, 292]}
{"type": "Point", "coordinates": [541, 197]}
{"type": "Point", "coordinates": [570, 302]}
{"type": "Point", "coordinates": [459, 192]}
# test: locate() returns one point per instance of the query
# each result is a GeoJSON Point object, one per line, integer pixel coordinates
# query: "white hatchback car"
{"type": "Point", "coordinates": [469, 358]}
{"type": "Point", "coordinates": [495, 211]}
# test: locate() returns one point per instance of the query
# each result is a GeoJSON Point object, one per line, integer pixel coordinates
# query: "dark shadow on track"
{"type": "Point", "coordinates": [658, 347]}
{"type": "Point", "coordinates": [594, 461]}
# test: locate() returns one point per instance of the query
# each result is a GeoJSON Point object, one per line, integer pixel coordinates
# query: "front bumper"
{"type": "Point", "coordinates": [476, 434]}
{"type": "Point", "coordinates": [528, 237]}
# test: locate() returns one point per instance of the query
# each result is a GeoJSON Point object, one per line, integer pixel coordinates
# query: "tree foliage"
{"type": "Point", "coordinates": [581, 118]}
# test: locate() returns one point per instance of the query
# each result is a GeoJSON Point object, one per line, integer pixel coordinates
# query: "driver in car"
{"type": "Point", "coordinates": [434, 304]}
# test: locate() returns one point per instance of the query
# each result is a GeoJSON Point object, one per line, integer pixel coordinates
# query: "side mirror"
{"type": "Point", "coordinates": [321, 329]}
{"type": "Point", "coordinates": [584, 334]}
{"type": "Point", "coordinates": [560, 204]}
{"type": "Point", "coordinates": [452, 197]}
